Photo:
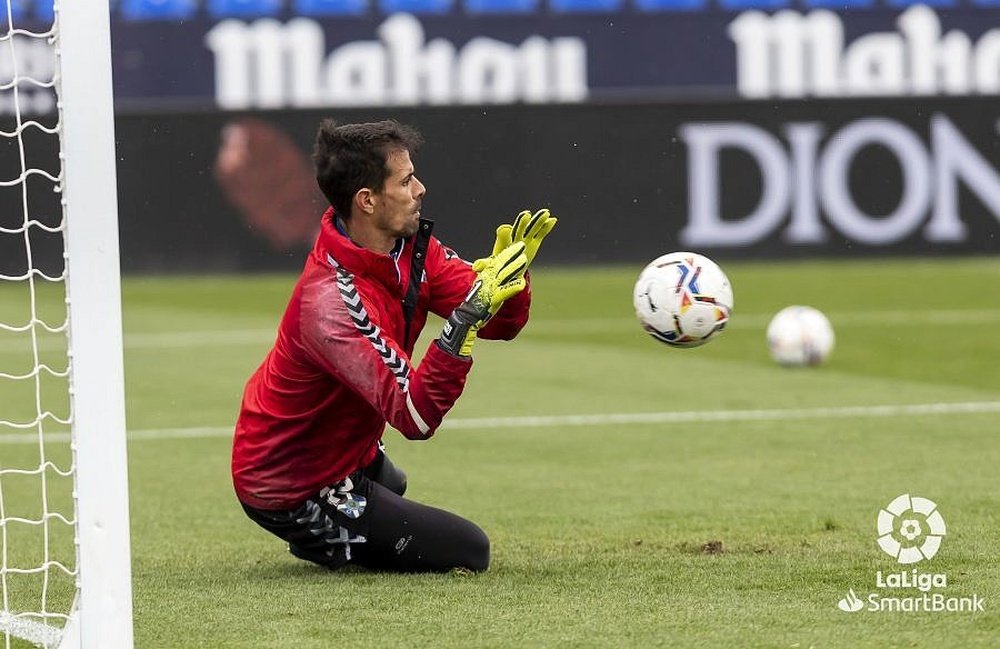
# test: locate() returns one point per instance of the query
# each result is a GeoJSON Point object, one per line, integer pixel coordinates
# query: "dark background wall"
{"type": "Point", "coordinates": [648, 126]}
{"type": "Point", "coordinates": [618, 176]}
{"type": "Point", "coordinates": [216, 191]}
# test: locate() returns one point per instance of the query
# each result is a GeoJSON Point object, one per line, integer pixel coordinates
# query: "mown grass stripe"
{"type": "Point", "coordinates": [601, 419]}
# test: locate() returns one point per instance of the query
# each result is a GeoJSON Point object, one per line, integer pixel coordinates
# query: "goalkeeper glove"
{"type": "Point", "coordinates": [528, 228]}
{"type": "Point", "coordinates": [498, 278]}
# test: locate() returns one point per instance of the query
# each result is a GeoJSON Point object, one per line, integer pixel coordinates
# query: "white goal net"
{"type": "Point", "coordinates": [64, 559]}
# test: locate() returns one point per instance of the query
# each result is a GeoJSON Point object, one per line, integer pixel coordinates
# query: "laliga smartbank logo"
{"type": "Point", "coordinates": [910, 530]}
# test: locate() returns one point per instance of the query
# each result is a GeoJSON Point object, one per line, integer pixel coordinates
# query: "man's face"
{"type": "Point", "coordinates": [397, 206]}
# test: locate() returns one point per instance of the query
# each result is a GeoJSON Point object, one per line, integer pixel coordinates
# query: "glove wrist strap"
{"type": "Point", "coordinates": [460, 329]}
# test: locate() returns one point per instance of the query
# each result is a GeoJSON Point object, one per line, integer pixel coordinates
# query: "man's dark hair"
{"type": "Point", "coordinates": [351, 157]}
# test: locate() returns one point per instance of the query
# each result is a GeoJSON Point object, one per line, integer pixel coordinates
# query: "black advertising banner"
{"type": "Point", "coordinates": [31, 232]}
{"type": "Point", "coordinates": [229, 191]}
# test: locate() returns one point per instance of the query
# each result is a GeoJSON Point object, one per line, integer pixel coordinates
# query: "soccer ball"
{"type": "Point", "coordinates": [682, 299]}
{"type": "Point", "coordinates": [799, 335]}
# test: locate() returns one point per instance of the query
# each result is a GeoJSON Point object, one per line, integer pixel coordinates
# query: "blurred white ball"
{"type": "Point", "coordinates": [800, 335]}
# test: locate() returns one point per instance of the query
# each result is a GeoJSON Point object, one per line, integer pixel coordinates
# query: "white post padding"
{"type": "Point", "coordinates": [104, 611]}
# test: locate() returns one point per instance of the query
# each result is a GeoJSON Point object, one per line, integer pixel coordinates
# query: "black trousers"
{"type": "Point", "coordinates": [366, 521]}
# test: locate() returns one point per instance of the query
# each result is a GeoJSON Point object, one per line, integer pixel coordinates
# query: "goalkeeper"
{"type": "Point", "coordinates": [308, 462]}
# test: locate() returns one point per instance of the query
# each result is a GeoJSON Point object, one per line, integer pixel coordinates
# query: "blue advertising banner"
{"type": "Point", "coordinates": [245, 54]}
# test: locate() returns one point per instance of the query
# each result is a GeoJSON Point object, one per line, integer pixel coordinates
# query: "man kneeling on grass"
{"type": "Point", "coordinates": [308, 463]}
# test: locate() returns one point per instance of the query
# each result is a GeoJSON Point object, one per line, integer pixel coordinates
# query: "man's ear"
{"type": "Point", "coordinates": [364, 200]}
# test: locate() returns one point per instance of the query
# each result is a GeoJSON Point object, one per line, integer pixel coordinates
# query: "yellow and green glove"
{"type": "Point", "coordinates": [528, 229]}
{"type": "Point", "coordinates": [498, 278]}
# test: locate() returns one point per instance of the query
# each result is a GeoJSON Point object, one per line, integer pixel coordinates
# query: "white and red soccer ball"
{"type": "Point", "coordinates": [683, 299]}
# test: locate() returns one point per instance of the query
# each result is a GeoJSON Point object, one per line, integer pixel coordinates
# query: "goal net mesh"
{"type": "Point", "coordinates": [38, 557]}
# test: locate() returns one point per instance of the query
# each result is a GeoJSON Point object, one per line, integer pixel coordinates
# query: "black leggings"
{"type": "Point", "coordinates": [364, 521]}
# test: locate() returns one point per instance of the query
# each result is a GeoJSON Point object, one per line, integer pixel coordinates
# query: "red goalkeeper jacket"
{"type": "Point", "coordinates": [315, 409]}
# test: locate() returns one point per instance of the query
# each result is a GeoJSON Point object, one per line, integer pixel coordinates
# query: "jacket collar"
{"type": "Point", "coordinates": [334, 244]}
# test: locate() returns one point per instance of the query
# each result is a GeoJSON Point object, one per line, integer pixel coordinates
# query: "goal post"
{"type": "Point", "coordinates": [90, 206]}
{"type": "Point", "coordinates": [65, 560]}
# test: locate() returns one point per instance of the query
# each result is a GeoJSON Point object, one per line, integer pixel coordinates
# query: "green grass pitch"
{"type": "Point", "coordinates": [703, 525]}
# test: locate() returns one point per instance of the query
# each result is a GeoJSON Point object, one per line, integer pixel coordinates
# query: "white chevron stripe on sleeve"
{"type": "Point", "coordinates": [368, 329]}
